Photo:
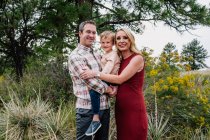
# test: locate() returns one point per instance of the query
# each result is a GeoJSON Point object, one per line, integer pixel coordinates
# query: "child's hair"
{"type": "Point", "coordinates": [107, 34]}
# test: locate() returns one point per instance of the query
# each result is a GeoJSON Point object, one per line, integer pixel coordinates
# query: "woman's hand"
{"type": "Point", "coordinates": [88, 74]}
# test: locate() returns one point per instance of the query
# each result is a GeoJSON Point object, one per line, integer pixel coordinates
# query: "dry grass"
{"type": "Point", "coordinates": [35, 120]}
{"type": "Point", "coordinates": [203, 72]}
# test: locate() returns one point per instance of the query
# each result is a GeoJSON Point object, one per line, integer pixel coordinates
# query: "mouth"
{"type": "Point", "coordinates": [122, 45]}
{"type": "Point", "coordinates": [91, 40]}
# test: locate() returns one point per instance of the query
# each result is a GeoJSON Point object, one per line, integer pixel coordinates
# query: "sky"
{"type": "Point", "coordinates": [156, 37]}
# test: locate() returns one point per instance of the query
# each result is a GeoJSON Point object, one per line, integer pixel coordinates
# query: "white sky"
{"type": "Point", "coordinates": [156, 37]}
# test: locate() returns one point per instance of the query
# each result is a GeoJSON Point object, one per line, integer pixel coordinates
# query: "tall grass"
{"type": "Point", "coordinates": [21, 122]}
{"type": "Point", "coordinates": [157, 127]}
{"type": "Point", "coordinates": [35, 120]}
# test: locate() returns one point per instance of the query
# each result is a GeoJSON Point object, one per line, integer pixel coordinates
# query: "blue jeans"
{"type": "Point", "coordinates": [95, 101]}
{"type": "Point", "coordinates": [83, 120]}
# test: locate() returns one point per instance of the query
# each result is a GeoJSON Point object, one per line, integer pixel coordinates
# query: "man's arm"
{"type": "Point", "coordinates": [77, 65]}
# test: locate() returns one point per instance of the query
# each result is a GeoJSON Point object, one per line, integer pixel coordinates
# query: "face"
{"type": "Point", "coordinates": [88, 35]}
{"type": "Point", "coordinates": [122, 41]}
{"type": "Point", "coordinates": [106, 44]}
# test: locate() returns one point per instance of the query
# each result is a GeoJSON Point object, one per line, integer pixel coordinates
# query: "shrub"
{"type": "Point", "coordinates": [52, 80]}
{"type": "Point", "coordinates": [35, 120]}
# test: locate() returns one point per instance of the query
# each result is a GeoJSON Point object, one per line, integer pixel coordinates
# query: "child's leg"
{"type": "Point", "coordinates": [95, 102]}
{"type": "Point", "coordinates": [95, 124]}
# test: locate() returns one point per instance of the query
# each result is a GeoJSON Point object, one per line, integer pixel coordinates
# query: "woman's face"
{"type": "Point", "coordinates": [123, 43]}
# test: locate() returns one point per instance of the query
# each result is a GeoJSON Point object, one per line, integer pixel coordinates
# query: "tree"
{"type": "Point", "coordinates": [18, 20]}
{"type": "Point", "coordinates": [182, 14]}
{"type": "Point", "coordinates": [170, 55]}
{"type": "Point", "coordinates": [28, 26]}
{"type": "Point", "coordinates": [57, 27]}
{"type": "Point", "coordinates": [194, 55]}
{"type": "Point", "coordinates": [52, 25]}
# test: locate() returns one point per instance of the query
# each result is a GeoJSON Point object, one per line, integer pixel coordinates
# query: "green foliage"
{"type": "Point", "coordinates": [194, 54]}
{"type": "Point", "coordinates": [51, 80]}
{"type": "Point", "coordinates": [157, 127]}
{"type": "Point", "coordinates": [49, 26]}
{"type": "Point", "coordinates": [28, 26]}
{"type": "Point", "coordinates": [171, 55]}
{"type": "Point", "coordinates": [17, 26]}
{"type": "Point", "coordinates": [182, 97]}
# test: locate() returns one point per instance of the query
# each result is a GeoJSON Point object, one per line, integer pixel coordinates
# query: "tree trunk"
{"type": "Point", "coordinates": [17, 55]}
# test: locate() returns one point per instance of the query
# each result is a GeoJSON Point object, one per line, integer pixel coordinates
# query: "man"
{"type": "Point", "coordinates": [79, 59]}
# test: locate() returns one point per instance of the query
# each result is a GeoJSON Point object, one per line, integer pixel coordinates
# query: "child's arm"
{"type": "Point", "coordinates": [108, 67]}
{"type": "Point", "coordinates": [112, 65]}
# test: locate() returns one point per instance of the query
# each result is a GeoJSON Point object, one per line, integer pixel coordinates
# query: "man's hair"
{"type": "Point", "coordinates": [81, 26]}
{"type": "Point", "coordinates": [107, 34]}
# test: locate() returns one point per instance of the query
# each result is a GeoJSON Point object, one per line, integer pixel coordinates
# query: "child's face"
{"type": "Point", "coordinates": [106, 44]}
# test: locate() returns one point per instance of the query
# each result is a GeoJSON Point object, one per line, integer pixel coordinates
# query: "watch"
{"type": "Point", "coordinates": [98, 74]}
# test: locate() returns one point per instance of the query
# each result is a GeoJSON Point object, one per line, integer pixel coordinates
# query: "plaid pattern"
{"type": "Point", "coordinates": [80, 58]}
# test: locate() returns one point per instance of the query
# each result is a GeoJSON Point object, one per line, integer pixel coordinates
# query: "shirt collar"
{"type": "Point", "coordinates": [80, 46]}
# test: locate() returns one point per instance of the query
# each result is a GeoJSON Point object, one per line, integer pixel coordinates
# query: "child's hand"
{"type": "Point", "coordinates": [114, 91]}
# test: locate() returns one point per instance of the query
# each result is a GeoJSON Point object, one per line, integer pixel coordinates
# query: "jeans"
{"type": "Point", "coordinates": [83, 120]}
{"type": "Point", "coordinates": [95, 101]}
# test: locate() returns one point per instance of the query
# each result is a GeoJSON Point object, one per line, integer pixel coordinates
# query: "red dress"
{"type": "Point", "coordinates": [130, 110]}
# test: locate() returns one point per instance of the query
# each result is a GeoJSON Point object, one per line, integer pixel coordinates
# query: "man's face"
{"type": "Point", "coordinates": [88, 35]}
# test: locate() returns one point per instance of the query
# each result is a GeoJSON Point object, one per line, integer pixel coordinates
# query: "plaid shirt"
{"type": "Point", "coordinates": [79, 58]}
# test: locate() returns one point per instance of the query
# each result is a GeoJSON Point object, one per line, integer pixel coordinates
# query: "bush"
{"type": "Point", "coordinates": [185, 100]}
{"type": "Point", "coordinates": [35, 120]}
{"type": "Point", "coordinates": [51, 80]}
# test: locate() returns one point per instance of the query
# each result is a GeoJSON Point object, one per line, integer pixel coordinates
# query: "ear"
{"type": "Point", "coordinates": [80, 33]}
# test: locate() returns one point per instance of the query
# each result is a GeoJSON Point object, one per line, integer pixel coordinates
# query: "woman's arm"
{"type": "Point", "coordinates": [136, 64]}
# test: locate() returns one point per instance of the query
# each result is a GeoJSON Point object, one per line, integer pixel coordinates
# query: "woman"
{"type": "Point", "coordinates": [130, 110]}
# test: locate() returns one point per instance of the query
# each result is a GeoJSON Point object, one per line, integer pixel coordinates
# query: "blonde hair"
{"type": "Point", "coordinates": [107, 34]}
{"type": "Point", "coordinates": [131, 38]}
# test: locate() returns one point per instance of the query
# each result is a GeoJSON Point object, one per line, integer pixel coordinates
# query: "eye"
{"type": "Point", "coordinates": [118, 38]}
{"type": "Point", "coordinates": [125, 37]}
{"type": "Point", "coordinates": [88, 31]}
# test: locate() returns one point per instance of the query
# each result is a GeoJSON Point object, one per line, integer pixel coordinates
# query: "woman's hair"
{"type": "Point", "coordinates": [131, 38]}
{"type": "Point", "coordinates": [107, 34]}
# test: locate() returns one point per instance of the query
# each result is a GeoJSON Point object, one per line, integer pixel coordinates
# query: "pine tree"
{"type": "Point", "coordinates": [194, 55]}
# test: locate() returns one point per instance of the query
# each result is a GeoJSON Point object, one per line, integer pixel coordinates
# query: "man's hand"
{"type": "Point", "coordinates": [87, 74]}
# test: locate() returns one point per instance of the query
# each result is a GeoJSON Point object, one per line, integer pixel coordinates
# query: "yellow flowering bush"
{"type": "Point", "coordinates": [184, 98]}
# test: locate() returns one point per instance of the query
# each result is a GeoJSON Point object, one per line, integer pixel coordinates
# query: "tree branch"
{"type": "Point", "coordinates": [101, 5]}
{"type": "Point", "coordinates": [124, 21]}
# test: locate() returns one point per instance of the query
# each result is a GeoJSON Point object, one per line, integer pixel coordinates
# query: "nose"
{"type": "Point", "coordinates": [121, 40]}
{"type": "Point", "coordinates": [92, 34]}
